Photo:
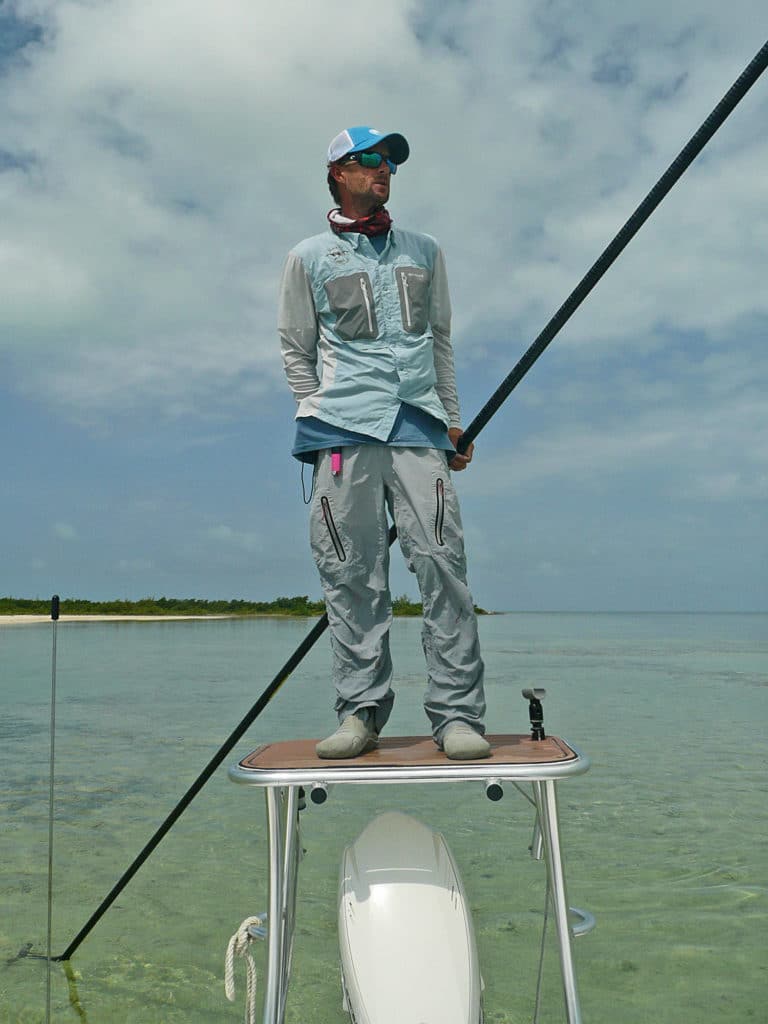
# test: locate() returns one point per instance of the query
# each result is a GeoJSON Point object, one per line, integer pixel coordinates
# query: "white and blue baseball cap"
{"type": "Point", "coordinates": [355, 140]}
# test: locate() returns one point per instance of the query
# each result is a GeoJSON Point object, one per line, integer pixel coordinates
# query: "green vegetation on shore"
{"type": "Point", "coordinates": [299, 606]}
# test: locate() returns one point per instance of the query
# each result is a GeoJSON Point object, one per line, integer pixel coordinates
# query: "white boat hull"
{"type": "Point", "coordinates": [407, 944]}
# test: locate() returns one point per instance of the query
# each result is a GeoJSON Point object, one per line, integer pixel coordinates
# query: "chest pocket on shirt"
{"type": "Point", "coordinates": [413, 286]}
{"type": "Point", "coordinates": [351, 299]}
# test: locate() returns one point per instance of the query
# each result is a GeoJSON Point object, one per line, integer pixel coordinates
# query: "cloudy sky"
{"type": "Point", "coordinates": [158, 160]}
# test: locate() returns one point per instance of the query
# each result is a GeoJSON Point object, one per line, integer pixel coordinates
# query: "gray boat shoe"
{"type": "Point", "coordinates": [352, 738]}
{"type": "Point", "coordinates": [462, 743]}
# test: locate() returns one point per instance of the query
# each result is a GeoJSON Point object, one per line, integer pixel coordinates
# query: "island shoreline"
{"type": "Point", "coordinates": [36, 620]}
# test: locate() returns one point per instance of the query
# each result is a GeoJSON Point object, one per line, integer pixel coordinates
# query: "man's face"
{"type": "Point", "coordinates": [367, 186]}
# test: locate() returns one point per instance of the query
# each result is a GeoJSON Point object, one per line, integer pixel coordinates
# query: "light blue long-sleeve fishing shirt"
{"type": "Point", "coordinates": [362, 332]}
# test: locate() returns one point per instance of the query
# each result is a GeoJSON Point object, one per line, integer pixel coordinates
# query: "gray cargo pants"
{"type": "Point", "coordinates": [349, 537]}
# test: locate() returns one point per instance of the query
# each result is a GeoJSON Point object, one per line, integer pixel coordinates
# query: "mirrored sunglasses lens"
{"type": "Point", "coordinates": [371, 159]}
{"type": "Point", "coordinates": [375, 160]}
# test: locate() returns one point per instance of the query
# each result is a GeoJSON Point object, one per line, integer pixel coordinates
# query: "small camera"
{"type": "Point", "coordinates": [536, 712]}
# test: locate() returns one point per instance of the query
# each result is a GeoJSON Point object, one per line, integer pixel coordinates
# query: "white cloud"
{"type": "Point", "coordinates": [135, 566]}
{"type": "Point", "coordinates": [65, 531]}
{"type": "Point", "coordinates": [244, 540]}
{"type": "Point", "coordinates": [173, 152]}
{"type": "Point", "coordinates": [687, 447]}
{"type": "Point", "coordinates": [158, 160]}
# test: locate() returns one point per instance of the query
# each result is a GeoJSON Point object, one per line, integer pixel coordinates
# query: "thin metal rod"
{"type": "Point", "coordinates": [699, 140]}
{"type": "Point", "coordinates": [663, 186]}
{"type": "Point", "coordinates": [51, 778]}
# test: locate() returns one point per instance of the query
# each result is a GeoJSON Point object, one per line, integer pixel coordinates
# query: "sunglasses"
{"type": "Point", "coordinates": [371, 160]}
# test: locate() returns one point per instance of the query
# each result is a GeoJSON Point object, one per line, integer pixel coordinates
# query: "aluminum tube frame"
{"type": "Point", "coordinates": [284, 851]}
{"type": "Point", "coordinates": [546, 801]}
{"type": "Point", "coordinates": [291, 853]}
{"type": "Point", "coordinates": [282, 804]}
{"type": "Point", "coordinates": [273, 1001]}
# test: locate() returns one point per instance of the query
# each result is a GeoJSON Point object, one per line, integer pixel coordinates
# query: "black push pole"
{"type": "Point", "coordinates": [297, 656]}
{"type": "Point", "coordinates": [687, 155]}
{"type": "Point", "coordinates": [674, 172]}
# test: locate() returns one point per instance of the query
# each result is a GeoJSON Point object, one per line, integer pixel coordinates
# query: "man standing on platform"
{"type": "Point", "coordinates": [364, 324]}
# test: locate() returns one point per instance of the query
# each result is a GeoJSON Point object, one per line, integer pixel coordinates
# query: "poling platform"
{"type": "Point", "coordinates": [409, 759]}
{"type": "Point", "coordinates": [288, 770]}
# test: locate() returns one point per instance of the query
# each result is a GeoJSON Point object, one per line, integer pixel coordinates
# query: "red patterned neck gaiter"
{"type": "Point", "coordinates": [378, 223]}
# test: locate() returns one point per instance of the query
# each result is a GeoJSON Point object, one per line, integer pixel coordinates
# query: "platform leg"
{"type": "Point", "coordinates": [546, 802]}
{"type": "Point", "coordinates": [275, 972]}
{"type": "Point", "coordinates": [291, 853]}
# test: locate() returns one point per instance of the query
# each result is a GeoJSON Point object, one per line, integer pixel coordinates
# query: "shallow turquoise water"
{"type": "Point", "coordinates": [664, 837]}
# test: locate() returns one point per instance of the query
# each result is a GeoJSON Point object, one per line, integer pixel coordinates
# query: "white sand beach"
{"type": "Point", "coordinates": [34, 620]}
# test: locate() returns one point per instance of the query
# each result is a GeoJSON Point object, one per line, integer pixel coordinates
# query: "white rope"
{"type": "Point", "coordinates": [239, 945]}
